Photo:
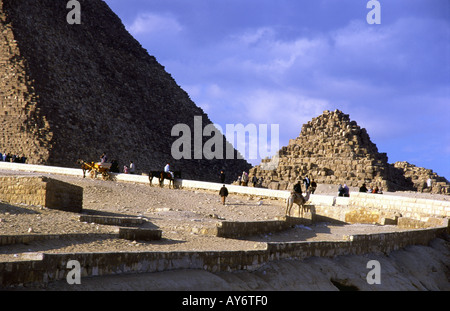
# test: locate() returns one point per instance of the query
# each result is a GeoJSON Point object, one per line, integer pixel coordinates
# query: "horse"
{"type": "Point", "coordinates": [85, 166]}
{"type": "Point", "coordinates": [168, 175]}
{"type": "Point", "coordinates": [163, 175]}
{"type": "Point", "coordinates": [95, 168]}
{"type": "Point", "coordinates": [298, 199]}
{"type": "Point", "coordinates": [152, 174]}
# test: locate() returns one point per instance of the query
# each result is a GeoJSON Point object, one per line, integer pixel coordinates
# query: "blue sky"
{"type": "Point", "coordinates": [286, 61]}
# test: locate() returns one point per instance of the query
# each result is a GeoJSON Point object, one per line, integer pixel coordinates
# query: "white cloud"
{"type": "Point", "coordinates": [356, 36]}
{"type": "Point", "coordinates": [262, 51]}
{"type": "Point", "coordinates": [215, 91]}
{"type": "Point", "coordinates": [251, 37]}
{"type": "Point", "coordinates": [152, 23]}
{"type": "Point", "coordinates": [206, 95]}
{"type": "Point", "coordinates": [287, 107]}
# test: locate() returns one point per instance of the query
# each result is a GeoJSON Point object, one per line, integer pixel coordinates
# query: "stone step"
{"type": "Point", "coordinates": [140, 234]}
{"type": "Point", "coordinates": [112, 220]}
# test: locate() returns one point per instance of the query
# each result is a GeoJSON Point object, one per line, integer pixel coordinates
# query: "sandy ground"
{"type": "Point", "coordinates": [174, 211]}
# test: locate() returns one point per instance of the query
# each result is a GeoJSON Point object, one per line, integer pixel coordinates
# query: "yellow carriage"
{"type": "Point", "coordinates": [95, 168]}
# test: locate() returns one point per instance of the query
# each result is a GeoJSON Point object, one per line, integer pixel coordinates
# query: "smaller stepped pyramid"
{"type": "Point", "coordinates": [420, 177]}
{"type": "Point", "coordinates": [332, 149]}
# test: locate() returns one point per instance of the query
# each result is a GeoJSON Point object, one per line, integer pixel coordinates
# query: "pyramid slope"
{"type": "Point", "coordinates": [81, 90]}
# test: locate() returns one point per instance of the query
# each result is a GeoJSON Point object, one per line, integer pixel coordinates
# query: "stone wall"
{"type": "Point", "coordinates": [404, 211]}
{"type": "Point", "coordinates": [41, 191]}
{"type": "Point", "coordinates": [235, 229]}
{"type": "Point", "coordinates": [44, 268]}
{"type": "Point", "coordinates": [140, 234]}
{"type": "Point", "coordinates": [29, 238]}
{"type": "Point", "coordinates": [417, 208]}
{"type": "Point", "coordinates": [113, 220]}
{"type": "Point", "coordinates": [23, 190]}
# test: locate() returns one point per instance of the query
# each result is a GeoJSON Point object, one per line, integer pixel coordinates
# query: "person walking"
{"type": "Point", "coordinates": [223, 194]}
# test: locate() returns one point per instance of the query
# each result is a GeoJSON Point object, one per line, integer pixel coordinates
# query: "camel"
{"type": "Point", "coordinates": [299, 200]}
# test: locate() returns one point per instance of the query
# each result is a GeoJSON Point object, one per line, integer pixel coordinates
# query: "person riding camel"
{"type": "Point", "coordinates": [298, 189]}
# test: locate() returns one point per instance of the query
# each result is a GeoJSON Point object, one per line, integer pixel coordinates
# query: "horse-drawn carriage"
{"type": "Point", "coordinates": [95, 168]}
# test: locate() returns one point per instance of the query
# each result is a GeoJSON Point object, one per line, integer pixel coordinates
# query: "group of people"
{"type": "Point", "coordinates": [127, 169]}
{"type": "Point", "coordinates": [7, 157]}
{"type": "Point", "coordinates": [343, 191]}
{"type": "Point", "coordinates": [309, 184]}
{"type": "Point", "coordinates": [371, 189]}
{"type": "Point", "coordinates": [244, 179]}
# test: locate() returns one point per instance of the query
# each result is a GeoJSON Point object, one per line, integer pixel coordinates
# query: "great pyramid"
{"type": "Point", "coordinates": [332, 149]}
{"type": "Point", "coordinates": [74, 91]}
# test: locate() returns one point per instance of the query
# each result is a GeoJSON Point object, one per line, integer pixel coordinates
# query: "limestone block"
{"type": "Point", "coordinates": [140, 234]}
{"type": "Point", "coordinates": [42, 191]}
{"type": "Point", "coordinates": [363, 216]}
{"type": "Point", "coordinates": [63, 196]}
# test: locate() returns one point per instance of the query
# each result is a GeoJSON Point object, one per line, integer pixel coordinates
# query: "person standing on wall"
{"type": "Point", "coordinates": [313, 186]}
{"type": "Point", "coordinates": [306, 182]}
{"type": "Point", "coordinates": [132, 168]}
